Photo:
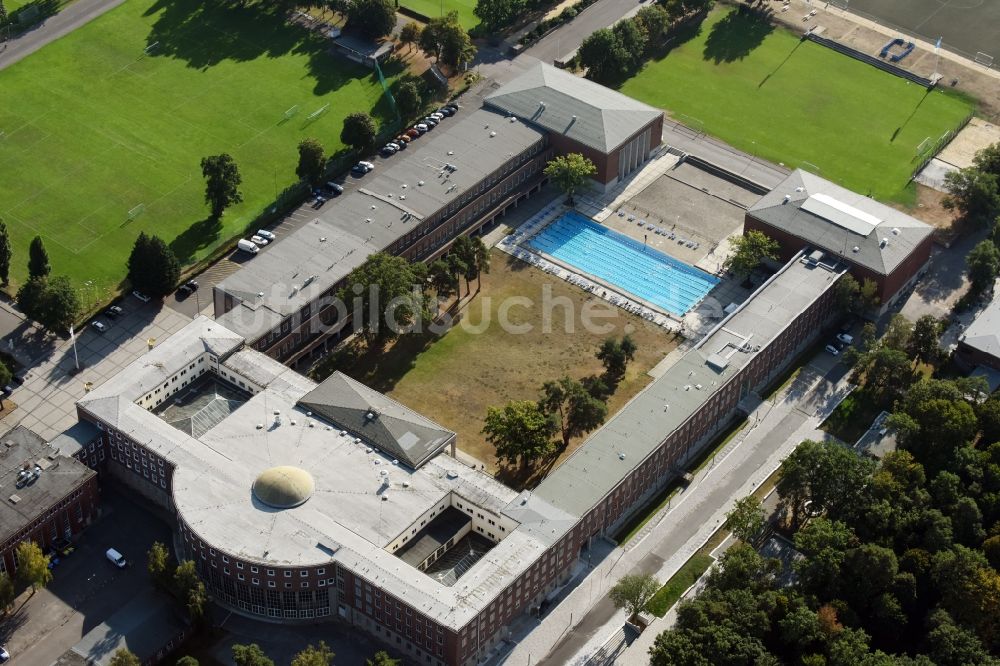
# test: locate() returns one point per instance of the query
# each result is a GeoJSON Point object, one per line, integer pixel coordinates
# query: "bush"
{"type": "Point", "coordinates": [568, 14]}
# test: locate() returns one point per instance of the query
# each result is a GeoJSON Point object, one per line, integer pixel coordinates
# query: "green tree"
{"type": "Point", "coordinates": [371, 18]}
{"type": "Point", "coordinates": [633, 39]}
{"type": "Point", "coordinates": [520, 431]}
{"type": "Point", "coordinates": [197, 602]}
{"type": "Point", "coordinates": [5, 374]}
{"type": "Point", "coordinates": [250, 655]}
{"type": "Point", "coordinates": [632, 592]}
{"type": "Point", "coordinates": [5, 254]}
{"type": "Point", "coordinates": [974, 194]}
{"type": "Point", "coordinates": [7, 594]}
{"type": "Point", "coordinates": [153, 267]}
{"type": "Point", "coordinates": [603, 56]}
{"type": "Point", "coordinates": [32, 565]}
{"type": "Point", "coordinates": [38, 259]}
{"type": "Point", "coordinates": [989, 419]}
{"type": "Point", "coordinates": [31, 297]}
{"type": "Point", "coordinates": [746, 519]}
{"type": "Point", "coordinates": [124, 657]}
{"type": "Point", "coordinates": [570, 172]}
{"type": "Point", "coordinates": [825, 544]}
{"type": "Point", "coordinates": [312, 162]}
{"type": "Point", "coordinates": [158, 564]}
{"type": "Point", "coordinates": [749, 251]}
{"type": "Point", "coordinates": [574, 409]}
{"type": "Point", "coordinates": [222, 182]}
{"type": "Point", "coordinates": [408, 96]}
{"type": "Point", "coordinates": [444, 38]}
{"type": "Point", "coordinates": [319, 655]}
{"type": "Point", "coordinates": [654, 21]}
{"type": "Point", "coordinates": [443, 278]}
{"type": "Point", "coordinates": [853, 297]}
{"type": "Point", "coordinates": [826, 473]}
{"type": "Point", "coordinates": [952, 645]}
{"type": "Point", "coordinates": [185, 578]}
{"type": "Point", "coordinates": [383, 293]}
{"type": "Point", "coordinates": [615, 355]}
{"type": "Point", "coordinates": [359, 132]}
{"type": "Point", "coordinates": [382, 658]}
{"type": "Point", "coordinates": [60, 304]}
{"type": "Point", "coordinates": [987, 159]}
{"type": "Point", "coordinates": [498, 14]}
{"type": "Point", "coordinates": [924, 342]}
{"type": "Point", "coordinates": [481, 258]}
{"type": "Point", "coordinates": [983, 262]}
{"type": "Point", "coordinates": [409, 35]}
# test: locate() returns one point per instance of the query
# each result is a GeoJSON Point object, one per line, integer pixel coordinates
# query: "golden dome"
{"type": "Point", "coordinates": [283, 487]}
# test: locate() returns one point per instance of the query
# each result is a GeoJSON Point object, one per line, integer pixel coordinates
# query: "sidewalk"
{"type": "Point", "coordinates": [585, 620]}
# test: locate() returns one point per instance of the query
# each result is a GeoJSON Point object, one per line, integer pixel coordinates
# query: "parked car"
{"type": "Point", "coordinates": [833, 351]}
{"type": "Point", "coordinates": [845, 338]}
{"type": "Point", "coordinates": [334, 189]}
{"type": "Point", "coordinates": [421, 128]}
{"type": "Point", "coordinates": [446, 111]}
{"type": "Point", "coordinates": [4, 654]}
{"type": "Point", "coordinates": [367, 164]}
{"type": "Point", "coordinates": [100, 327]}
{"type": "Point", "coordinates": [388, 150]}
{"type": "Point", "coordinates": [404, 138]}
{"type": "Point", "coordinates": [116, 558]}
{"type": "Point", "coordinates": [113, 311]}
{"type": "Point", "coordinates": [430, 122]}
{"type": "Point", "coordinates": [437, 115]}
{"type": "Point", "coordinates": [317, 202]}
{"type": "Point", "coordinates": [264, 233]}
{"type": "Point", "coordinates": [141, 296]}
{"type": "Point", "coordinates": [454, 107]}
{"type": "Point", "coordinates": [413, 133]}
{"type": "Point", "coordinates": [261, 242]}
{"type": "Point", "coordinates": [187, 288]}
{"type": "Point", "coordinates": [399, 143]}
{"type": "Point", "coordinates": [359, 170]}
{"type": "Point", "coordinates": [247, 246]}
{"type": "Point", "coordinates": [63, 546]}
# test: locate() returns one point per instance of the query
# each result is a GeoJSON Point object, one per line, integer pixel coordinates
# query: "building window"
{"type": "Point", "coordinates": [288, 574]}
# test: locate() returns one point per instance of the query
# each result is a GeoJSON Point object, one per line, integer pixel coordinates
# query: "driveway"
{"type": "Point", "coordinates": [69, 19]}
{"type": "Point", "coordinates": [86, 588]}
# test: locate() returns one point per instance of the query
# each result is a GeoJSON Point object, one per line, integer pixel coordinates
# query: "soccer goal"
{"type": "Point", "coordinates": [292, 112]}
{"type": "Point", "coordinates": [984, 59]}
{"type": "Point", "coordinates": [151, 49]}
{"type": "Point", "coordinates": [136, 211]}
{"type": "Point", "coordinates": [923, 147]}
{"type": "Point", "coordinates": [318, 112]}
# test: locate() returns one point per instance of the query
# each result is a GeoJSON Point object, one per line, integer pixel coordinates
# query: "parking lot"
{"type": "Point", "coordinates": [86, 588]}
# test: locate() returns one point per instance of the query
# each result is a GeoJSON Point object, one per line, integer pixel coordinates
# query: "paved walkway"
{"type": "Point", "coordinates": [69, 19]}
{"type": "Point", "coordinates": [579, 625]}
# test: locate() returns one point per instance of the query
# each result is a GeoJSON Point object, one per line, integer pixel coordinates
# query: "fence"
{"type": "Point", "coordinates": [870, 59]}
{"type": "Point", "coordinates": [927, 154]}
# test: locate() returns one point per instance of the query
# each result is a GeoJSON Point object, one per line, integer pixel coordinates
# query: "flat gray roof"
{"type": "Point", "coordinates": [851, 225]}
{"type": "Point", "coordinates": [611, 453]}
{"type": "Point", "coordinates": [362, 500]}
{"type": "Point", "coordinates": [574, 107]}
{"type": "Point", "coordinates": [59, 475]}
{"type": "Point", "coordinates": [386, 205]}
{"type": "Point", "coordinates": [70, 441]}
{"type": "Point", "coordinates": [983, 334]}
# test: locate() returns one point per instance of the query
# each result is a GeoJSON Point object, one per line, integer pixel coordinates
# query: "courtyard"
{"type": "Point", "coordinates": [480, 363]}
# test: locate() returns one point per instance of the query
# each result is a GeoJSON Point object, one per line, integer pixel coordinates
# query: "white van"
{"type": "Point", "coordinates": [116, 558]}
{"type": "Point", "coordinates": [247, 246]}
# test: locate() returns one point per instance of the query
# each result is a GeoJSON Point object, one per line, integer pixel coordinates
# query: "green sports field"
{"type": "Point", "coordinates": [91, 128]}
{"type": "Point", "coordinates": [766, 92]}
{"type": "Point", "coordinates": [435, 8]}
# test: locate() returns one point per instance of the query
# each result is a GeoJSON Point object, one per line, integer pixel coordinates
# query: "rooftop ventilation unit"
{"type": "Point", "coordinates": [420, 183]}
{"type": "Point", "coordinates": [452, 474]}
{"type": "Point", "coordinates": [492, 134]}
{"type": "Point", "coordinates": [451, 152]}
{"type": "Point", "coordinates": [788, 197]}
{"type": "Point", "coordinates": [371, 415]}
{"type": "Point", "coordinates": [717, 362]}
{"type": "Point", "coordinates": [621, 456]}
{"type": "Point", "coordinates": [512, 119]}
{"type": "Point", "coordinates": [895, 231]}
{"type": "Point", "coordinates": [322, 239]}
{"type": "Point", "coordinates": [855, 249]}
{"type": "Point", "coordinates": [882, 243]}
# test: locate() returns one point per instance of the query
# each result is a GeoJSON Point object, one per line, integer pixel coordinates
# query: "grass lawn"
{"type": "Point", "coordinates": [685, 577]}
{"type": "Point", "coordinates": [454, 378]}
{"type": "Point", "coordinates": [852, 417]}
{"type": "Point", "coordinates": [766, 92]}
{"type": "Point", "coordinates": [435, 8]}
{"type": "Point", "coordinates": [91, 128]}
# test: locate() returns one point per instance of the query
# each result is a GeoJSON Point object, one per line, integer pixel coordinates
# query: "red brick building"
{"type": "Point", "coordinates": [879, 243]}
{"type": "Point", "coordinates": [615, 132]}
{"type": "Point", "coordinates": [46, 495]}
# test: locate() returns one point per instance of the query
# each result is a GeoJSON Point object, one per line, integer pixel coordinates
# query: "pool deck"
{"type": "Point", "coordinates": [711, 205]}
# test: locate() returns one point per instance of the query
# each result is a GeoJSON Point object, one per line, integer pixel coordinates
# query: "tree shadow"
{"type": "Point", "coordinates": [736, 35]}
{"type": "Point", "coordinates": [197, 237]}
{"type": "Point", "coordinates": [207, 34]}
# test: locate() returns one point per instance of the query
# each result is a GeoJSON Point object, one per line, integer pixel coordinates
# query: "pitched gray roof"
{"type": "Point", "coordinates": [395, 429]}
{"type": "Point", "coordinates": [845, 223]}
{"type": "Point", "coordinates": [984, 333]}
{"type": "Point", "coordinates": [574, 107]}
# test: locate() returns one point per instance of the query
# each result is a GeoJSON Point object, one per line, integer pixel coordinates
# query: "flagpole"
{"type": "Point", "coordinates": [937, 54]}
{"type": "Point", "coordinates": [72, 337]}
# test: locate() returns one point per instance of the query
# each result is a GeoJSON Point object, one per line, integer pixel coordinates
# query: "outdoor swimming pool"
{"type": "Point", "coordinates": [642, 271]}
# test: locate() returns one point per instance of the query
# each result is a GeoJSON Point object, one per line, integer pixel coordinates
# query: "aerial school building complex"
{"type": "Point", "coordinates": [304, 502]}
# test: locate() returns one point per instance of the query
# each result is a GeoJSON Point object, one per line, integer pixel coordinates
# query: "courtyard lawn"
{"type": "Point", "coordinates": [454, 378]}
{"type": "Point", "coordinates": [764, 91]}
{"type": "Point", "coordinates": [435, 8]}
{"type": "Point", "coordinates": [91, 127]}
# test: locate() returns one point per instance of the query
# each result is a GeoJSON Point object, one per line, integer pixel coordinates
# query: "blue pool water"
{"type": "Point", "coordinates": [626, 263]}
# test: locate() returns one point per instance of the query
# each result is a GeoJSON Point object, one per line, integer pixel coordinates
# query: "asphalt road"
{"type": "Point", "coordinates": [86, 588]}
{"type": "Point", "coordinates": [69, 19]}
{"type": "Point", "coordinates": [568, 37]}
